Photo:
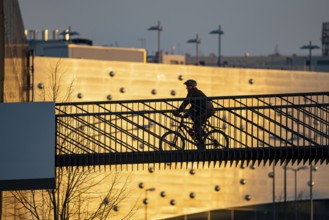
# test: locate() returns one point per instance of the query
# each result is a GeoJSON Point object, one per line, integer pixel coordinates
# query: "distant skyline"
{"type": "Point", "coordinates": [256, 27]}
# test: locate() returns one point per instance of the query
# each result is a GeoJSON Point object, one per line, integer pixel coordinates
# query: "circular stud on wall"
{"type": "Point", "coordinates": [163, 194]}
{"type": "Point", "coordinates": [251, 81]}
{"type": "Point", "coordinates": [310, 184]}
{"type": "Point", "coordinates": [80, 95]}
{"type": "Point", "coordinates": [172, 202]}
{"type": "Point", "coordinates": [141, 185]}
{"type": "Point", "coordinates": [247, 197]}
{"type": "Point", "coordinates": [151, 169]}
{"type": "Point", "coordinates": [111, 73]}
{"type": "Point", "coordinates": [41, 85]}
{"type": "Point", "coordinates": [217, 188]}
{"type": "Point", "coordinates": [106, 201]}
{"type": "Point", "coordinates": [109, 97]}
{"type": "Point", "coordinates": [173, 124]}
{"type": "Point", "coordinates": [122, 90]}
{"type": "Point", "coordinates": [192, 195]}
{"type": "Point", "coordinates": [154, 92]}
{"type": "Point", "coordinates": [243, 181]}
{"type": "Point", "coordinates": [173, 92]}
{"type": "Point", "coordinates": [180, 77]}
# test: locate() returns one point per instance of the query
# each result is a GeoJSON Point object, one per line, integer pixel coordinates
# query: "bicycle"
{"type": "Point", "coordinates": [212, 137]}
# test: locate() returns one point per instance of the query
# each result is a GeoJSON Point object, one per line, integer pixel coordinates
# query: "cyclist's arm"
{"type": "Point", "coordinates": [185, 102]}
{"type": "Point", "coordinates": [183, 105]}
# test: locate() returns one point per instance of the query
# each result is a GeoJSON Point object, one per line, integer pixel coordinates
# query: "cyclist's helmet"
{"type": "Point", "coordinates": [190, 82]}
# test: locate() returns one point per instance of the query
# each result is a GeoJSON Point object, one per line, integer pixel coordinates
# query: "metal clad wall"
{"type": "Point", "coordinates": [15, 50]}
{"type": "Point", "coordinates": [2, 50]}
{"type": "Point", "coordinates": [94, 80]}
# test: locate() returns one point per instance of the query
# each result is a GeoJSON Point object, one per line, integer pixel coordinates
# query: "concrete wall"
{"type": "Point", "coordinates": [107, 53]}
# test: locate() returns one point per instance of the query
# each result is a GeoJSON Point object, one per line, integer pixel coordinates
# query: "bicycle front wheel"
{"type": "Point", "coordinates": [216, 139]}
{"type": "Point", "coordinates": [172, 141]}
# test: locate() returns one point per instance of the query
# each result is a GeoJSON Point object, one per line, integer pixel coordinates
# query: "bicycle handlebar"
{"type": "Point", "coordinates": [185, 115]}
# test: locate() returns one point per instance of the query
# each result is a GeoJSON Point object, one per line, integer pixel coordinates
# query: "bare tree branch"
{"type": "Point", "coordinates": [77, 194]}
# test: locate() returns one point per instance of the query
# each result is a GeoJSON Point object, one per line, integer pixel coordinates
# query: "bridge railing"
{"type": "Point", "coordinates": [257, 121]}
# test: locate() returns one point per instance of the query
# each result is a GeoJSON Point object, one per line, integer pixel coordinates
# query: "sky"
{"type": "Point", "coordinates": [257, 27]}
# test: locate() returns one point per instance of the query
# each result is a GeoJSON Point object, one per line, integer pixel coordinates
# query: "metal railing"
{"type": "Point", "coordinates": [259, 128]}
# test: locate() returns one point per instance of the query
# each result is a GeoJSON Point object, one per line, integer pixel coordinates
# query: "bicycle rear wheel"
{"type": "Point", "coordinates": [172, 141]}
{"type": "Point", "coordinates": [216, 139]}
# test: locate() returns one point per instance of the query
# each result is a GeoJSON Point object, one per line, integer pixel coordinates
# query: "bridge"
{"type": "Point", "coordinates": [260, 129]}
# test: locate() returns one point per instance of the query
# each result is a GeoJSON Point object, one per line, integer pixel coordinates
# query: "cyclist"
{"type": "Point", "coordinates": [201, 109]}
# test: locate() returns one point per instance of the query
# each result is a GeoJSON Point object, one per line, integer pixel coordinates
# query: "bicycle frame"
{"type": "Point", "coordinates": [176, 139]}
{"type": "Point", "coordinates": [184, 129]}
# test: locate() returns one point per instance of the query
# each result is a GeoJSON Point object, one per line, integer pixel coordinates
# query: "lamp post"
{"type": "Point", "coordinates": [310, 47]}
{"type": "Point", "coordinates": [285, 189]}
{"type": "Point", "coordinates": [272, 175]}
{"type": "Point", "coordinates": [157, 28]}
{"type": "Point", "coordinates": [295, 171]}
{"type": "Point", "coordinates": [146, 201]}
{"type": "Point", "coordinates": [196, 41]}
{"type": "Point", "coordinates": [219, 32]}
{"type": "Point", "coordinates": [0, 205]}
{"type": "Point", "coordinates": [143, 42]}
{"type": "Point", "coordinates": [312, 168]}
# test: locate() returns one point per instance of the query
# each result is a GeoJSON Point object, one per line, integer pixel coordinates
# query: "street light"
{"type": "Point", "coordinates": [312, 169]}
{"type": "Point", "coordinates": [310, 47]}
{"type": "Point", "coordinates": [296, 170]}
{"type": "Point", "coordinates": [146, 201]}
{"type": "Point", "coordinates": [157, 28]}
{"type": "Point", "coordinates": [143, 42]}
{"type": "Point", "coordinates": [196, 41]}
{"type": "Point", "coordinates": [219, 32]}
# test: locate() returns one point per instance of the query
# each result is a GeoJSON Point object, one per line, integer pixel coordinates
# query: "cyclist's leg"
{"type": "Point", "coordinates": [199, 122]}
{"type": "Point", "coordinates": [210, 112]}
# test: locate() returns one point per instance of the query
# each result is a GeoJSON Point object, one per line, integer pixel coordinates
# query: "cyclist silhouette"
{"type": "Point", "coordinates": [201, 109]}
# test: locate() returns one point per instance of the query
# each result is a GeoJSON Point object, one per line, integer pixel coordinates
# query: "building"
{"type": "Point", "coordinates": [83, 49]}
{"type": "Point", "coordinates": [70, 47]}
{"type": "Point", "coordinates": [318, 63]}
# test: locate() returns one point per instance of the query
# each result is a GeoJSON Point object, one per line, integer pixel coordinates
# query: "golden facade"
{"type": "Point", "coordinates": [196, 188]}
